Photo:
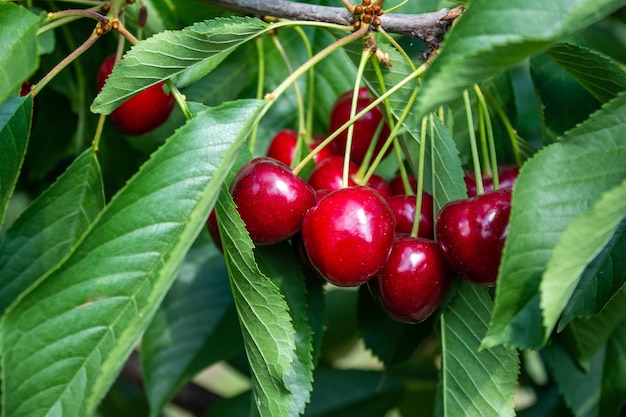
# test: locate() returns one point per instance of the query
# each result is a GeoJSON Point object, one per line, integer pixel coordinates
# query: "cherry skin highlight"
{"type": "Point", "coordinates": [271, 200]}
{"type": "Point", "coordinates": [414, 280]}
{"type": "Point", "coordinates": [471, 234]}
{"type": "Point", "coordinates": [348, 235]}
{"type": "Point", "coordinates": [142, 113]}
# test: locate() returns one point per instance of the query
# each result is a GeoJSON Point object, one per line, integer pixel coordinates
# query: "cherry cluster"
{"type": "Point", "coordinates": [354, 234]}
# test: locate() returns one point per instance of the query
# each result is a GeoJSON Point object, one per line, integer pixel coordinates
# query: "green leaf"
{"type": "Point", "coordinates": [474, 382]}
{"type": "Point", "coordinates": [493, 35]}
{"type": "Point", "coordinates": [190, 53]}
{"type": "Point", "coordinates": [580, 242]}
{"type": "Point", "coordinates": [192, 329]}
{"type": "Point", "coordinates": [586, 336]}
{"type": "Point", "coordinates": [391, 341]}
{"type": "Point", "coordinates": [353, 393]}
{"type": "Point", "coordinates": [46, 231]}
{"type": "Point", "coordinates": [600, 391]}
{"type": "Point", "coordinates": [600, 75]}
{"type": "Point", "coordinates": [15, 115]}
{"type": "Point", "coordinates": [18, 49]}
{"type": "Point", "coordinates": [64, 343]}
{"type": "Point", "coordinates": [563, 111]}
{"type": "Point", "coordinates": [266, 326]}
{"type": "Point", "coordinates": [602, 278]}
{"type": "Point", "coordinates": [561, 182]}
{"type": "Point", "coordinates": [286, 273]}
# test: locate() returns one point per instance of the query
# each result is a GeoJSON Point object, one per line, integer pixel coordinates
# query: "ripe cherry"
{"type": "Point", "coordinates": [348, 235]}
{"type": "Point", "coordinates": [471, 234]}
{"type": "Point", "coordinates": [397, 185]}
{"type": "Point", "coordinates": [403, 207]}
{"type": "Point", "coordinates": [271, 200]}
{"type": "Point", "coordinates": [414, 280]}
{"type": "Point", "coordinates": [214, 231]}
{"type": "Point", "coordinates": [507, 174]}
{"type": "Point", "coordinates": [284, 143]}
{"type": "Point", "coordinates": [328, 174]}
{"type": "Point", "coordinates": [379, 184]}
{"type": "Point", "coordinates": [141, 113]}
{"type": "Point", "coordinates": [364, 128]}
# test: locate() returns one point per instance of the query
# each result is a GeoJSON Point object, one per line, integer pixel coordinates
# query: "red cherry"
{"type": "Point", "coordinates": [284, 143]}
{"type": "Point", "coordinates": [379, 184]}
{"type": "Point", "coordinates": [328, 175]}
{"type": "Point", "coordinates": [507, 174]}
{"type": "Point", "coordinates": [403, 207]}
{"type": "Point", "coordinates": [348, 235]}
{"type": "Point", "coordinates": [214, 230]}
{"type": "Point", "coordinates": [413, 282]}
{"type": "Point", "coordinates": [397, 185]}
{"type": "Point", "coordinates": [471, 234]}
{"type": "Point", "coordinates": [141, 113]}
{"type": "Point", "coordinates": [271, 200]}
{"type": "Point", "coordinates": [364, 128]}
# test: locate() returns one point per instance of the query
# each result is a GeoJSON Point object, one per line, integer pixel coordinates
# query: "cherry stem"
{"type": "Point", "coordinates": [52, 16]}
{"type": "Point", "coordinates": [125, 33]}
{"type": "Point", "coordinates": [420, 178]}
{"type": "Point", "coordinates": [472, 134]}
{"type": "Point", "coordinates": [507, 125]}
{"type": "Point", "coordinates": [310, 85]}
{"type": "Point", "coordinates": [493, 158]}
{"type": "Point", "coordinates": [96, 140]}
{"type": "Point", "coordinates": [363, 112]}
{"type": "Point", "coordinates": [259, 87]}
{"type": "Point", "coordinates": [365, 56]}
{"type": "Point", "coordinates": [65, 62]}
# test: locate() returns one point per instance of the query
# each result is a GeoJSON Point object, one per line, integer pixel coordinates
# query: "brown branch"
{"type": "Point", "coordinates": [428, 27]}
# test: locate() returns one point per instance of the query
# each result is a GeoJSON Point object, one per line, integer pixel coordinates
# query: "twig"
{"type": "Point", "coordinates": [428, 27]}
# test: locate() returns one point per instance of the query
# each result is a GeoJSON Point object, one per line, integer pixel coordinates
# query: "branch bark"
{"type": "Point", "coordinates": [428, 27]}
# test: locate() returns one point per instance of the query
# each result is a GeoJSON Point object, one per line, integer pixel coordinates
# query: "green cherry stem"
{"type": "Point", "coordinates": [365, 56]}
{"type": "Point", "coordinates": [507, 125]}
{"type": "Point", "coordinates": [474, 148]}
{"type": "Point", "coordinates": [310, 85]}
{"type": "Point", "coordinates": [420, 178]}
{"type": "Point", "coordinates": [260, 52]}
{"type": "Point", "coordinates": [493, 158]}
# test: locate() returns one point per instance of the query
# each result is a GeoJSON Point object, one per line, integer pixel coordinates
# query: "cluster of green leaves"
{"type": "Point", "coordinates": [113, 253]}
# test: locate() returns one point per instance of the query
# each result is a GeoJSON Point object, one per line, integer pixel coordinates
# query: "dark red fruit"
{"type": "Point", "coordinates": [283, 147]}
{"type": "Point", "coordinates": [471, 234]}
{"type": "Point", "coordinates": [348, 235]}
{"type": "Point", "coordinates": [329, 173]}
{"type": "Point", "coordinates": [403, 207]}
{"type": "Point", "coordinates": [24, 90]}
{"type": "Point", "coordinates": [214, 230]}
{"type": "Point", "coordinates": [141, 113]}
{"type": "Point", "coordinates": [413, 282]}
{"type": "Point", "coordinates": [398, 188]}
{"type": "Point", "coordinates": [379, 184]}
{"type": "Point", "coordinates": [364, 129]}
{"type": "Point", "coordinates": [271, 200]}
{"type": "Point", "coordinates": [507, 174]}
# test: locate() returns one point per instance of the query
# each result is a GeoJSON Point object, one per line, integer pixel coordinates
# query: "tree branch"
{"type": "Point", "coordinates": [428, 27]}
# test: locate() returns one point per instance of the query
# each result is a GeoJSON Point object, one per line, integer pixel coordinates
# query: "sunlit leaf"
{"type": "Point", "coordinates": [15, 116]}
{"type": "Point", "coordinates": [553, 188]}
{"type": "Point", "coordinates": [46, 231]}
{"type": "Point", "coordinates": [65, 341]}
{"type": "Point", "coordinates": [18, 31]}
{"type": "Point", "coordinates": [266, 325]}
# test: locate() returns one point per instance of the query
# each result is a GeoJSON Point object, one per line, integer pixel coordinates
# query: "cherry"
{"type": "Point", "coordinates": [348, 235]}
{"type": "Point", "coordinates": [214, 230]}
{"type": "Point", "coordinates": [284, 143]}
{"type": "Point", "coordinates": [24, 90]}
{"type": "Point", "coordinates": [507, 174]}
{"type": "Point", "coordinates": [397, 185]}
{"type": "Point", "coordinates": [328, 174]}
{"type": "Point", "coordinates": [364, 128]}
{"type": "Point", "coordinates": [379, 184]}
{"type": "Point", "coordinates": [403, 207]}
{"type": "Point", "coordinates": [271, 200]}
{"type": "Point", "coordinates": [471, 234]}
{"type": "Point", "coordinates": [413, 282]}
{"type": "Point", "coordinates": [141, 113]}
